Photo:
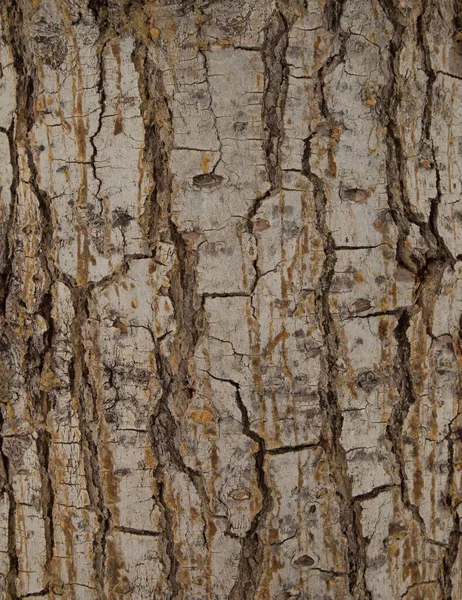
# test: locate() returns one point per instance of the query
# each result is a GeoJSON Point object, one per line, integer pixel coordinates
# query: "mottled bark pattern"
{"type": "Point", "coordinates": [231, 298]}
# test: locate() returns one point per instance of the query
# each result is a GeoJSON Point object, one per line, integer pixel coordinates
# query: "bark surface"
{"type": "Point", "coordinates": [230, 299]}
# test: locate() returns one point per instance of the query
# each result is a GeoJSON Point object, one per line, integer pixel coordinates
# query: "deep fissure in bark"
{"type": "Point", "coordinates": [176, 384]}
{"type": "Point", "coordinates": [275, 92]}
{"type": "Point", "coordinates": [332, 415]}
{"type": "Point", "coordinates": [78, 378]}
{"type": "Point", "coordinates": [251, 559]}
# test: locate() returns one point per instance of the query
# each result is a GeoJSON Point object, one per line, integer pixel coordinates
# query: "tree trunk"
{"type": "Point", "coordinates": [231, 295]}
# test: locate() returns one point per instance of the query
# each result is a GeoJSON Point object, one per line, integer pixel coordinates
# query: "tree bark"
{"type": "Point", "coordinates": [231, 295]}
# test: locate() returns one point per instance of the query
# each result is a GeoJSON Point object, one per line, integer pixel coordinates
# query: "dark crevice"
{"type": "Point", "coordinates": [276, 72]}
{"type": "Point", "coordinates": [43, 442]}
{"type": "Point", "coordinates": [47, 493]}
{"type": "Point", "coordinates": [79, 379]}
{"type": "Point", "coordinates": [333, 14]}
{"type": "Point", "coordinates": [100, 11]}
{"type": "Point", "coordinates": [288, 449]}
{"type": "Point", "coordinates": [7, 488]}
{"type": "Point", "coordinates": [16, 133]}
{"type": "Point", "coordinates": [452, 549]}
{"type": "Point", "coordinates": [173, 369]}
{"type": "Point", "coordinates": [40, 593]}
{"type": "Point", "coordinates": [331, 413]}
{"type": "Point", "coordinates": [92, 138]}
{"type": "Point", "coordinates": [405, 384]}
{"type": "Point", "coordinates": [371, 315]}
{"type": "Point", "coordinates": [276, 40]}
{"type": "Point", "coordinates": [175, 588]}
{"type": "Point", "coordinates": [7, 258]}
{"type": "Point", "coordinates": [251, 562]}
{"type": "Point", "coordinates": [430, 270]}
{"type": "Point", "coordinates": [141, 532]}
{"type": "Point", "coordinates": [400, 207]}
{"type": "Point", "coordinates": [439, 258]}
{"type": "Point", "coordinates": [37, 346]}
{"type": "Point", "coordinates": [373, 493]}
{"type": "Point", "coordinates": [157, 226]}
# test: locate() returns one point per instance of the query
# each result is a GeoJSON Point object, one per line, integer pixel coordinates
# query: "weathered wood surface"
{"type": "Point", "coordinates": [231, 295]}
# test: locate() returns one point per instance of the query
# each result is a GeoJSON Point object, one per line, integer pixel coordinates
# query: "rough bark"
{"type": "Point", "coordinates": [231, 299]}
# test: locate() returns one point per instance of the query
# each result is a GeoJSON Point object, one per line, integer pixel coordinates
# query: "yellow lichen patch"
{"type": "Point", "coordinates": [121, 323]}
{"type": "Point", "coordinates": [114, 564]}
{"type": "Point", "coordinates": [56, 586]}
{"type": "Point", "coordinates": [154, 32]}
{"type": "Point", "coordinates": [333, 141]}
{"type": "Point", "coordinates": [383, 304]}
{"type": "Point", "coordinates": [205, 163]}
{"type": "Point", "coordinates": [271, 345]}
{"type": "Point", "coordinates": [426, 164]}
{"type": "Point", "coordinates": [49, 382]}
{"type": "Point", "coordinates": [122, 588]}
{"type": "Point", "coordinates": [191, 236]}
{"type": "Point", "coordinates": [260, 225]}
{"type": "Point", "coordinates": [259, 82]}
{"type": "Point", "coordinates": [118, 126]}
{"type": "Point", "coordinates": [202, 416]}
{"type": "Point", "coordinates": [240, 495]}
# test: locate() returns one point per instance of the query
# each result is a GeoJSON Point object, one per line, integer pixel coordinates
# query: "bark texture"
{"type": "Point", "coordinates": [230, 299]}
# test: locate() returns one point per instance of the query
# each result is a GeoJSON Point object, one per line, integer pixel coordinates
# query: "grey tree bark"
{"type": "Point", "coordinates": [231, 296]}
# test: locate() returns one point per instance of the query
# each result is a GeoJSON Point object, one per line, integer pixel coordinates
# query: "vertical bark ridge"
{"type": "Point", "coordinates": [275, 92]}
{"type": "Point", "coordinates": [7, 488]}
{"type": "Point", "coordinates": [331, 411]}
{"type": "Point", "coordinates": [273, 52]}
{"type": "Point", "coordinates": [251, 558]}
{"type": "Point", "coordinates": [438, 258]}
{"type": "Point", "coordinates": [5, 277]}
{"type": "Point", "coordinates": [90, 431]}
{"type": "Point", "coordinates": [332, 416]}
{"type": "Point", "coordinates": [435, 271]}
{"type": "Point", "coordinates": [174, 370]}
{"type": "Point", "coordinates": [403, 216]}
{"type": "Point", "coordinates": [38, 348]}
{"type": "Point", "coordinates": [450, 556]}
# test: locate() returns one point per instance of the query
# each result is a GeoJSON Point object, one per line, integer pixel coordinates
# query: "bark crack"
{"type": "Point", "coordinates": [251, 558]}
{"type": "Point", "coordinates": [332, 416]}
{"type": "Point", "coordinates": [8, 489]}
{"type": "Point", "coordinates": [174, 370]}
{"type": "Point", "coordinates": [274, 50]}
{"type": "Point", "coordinates": [429, 271]}
{"type": "Point", "coordinates": [78, 377]}
{"type": "Point", "coordinates": [330, 409]}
